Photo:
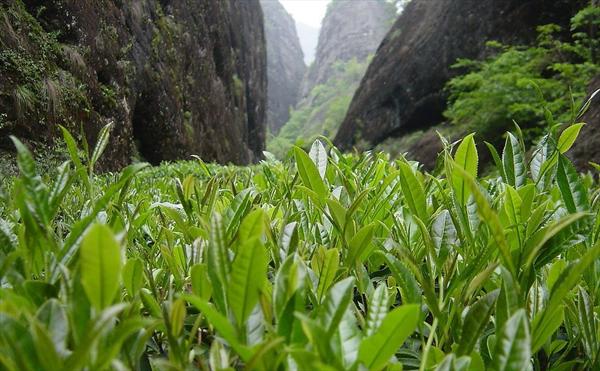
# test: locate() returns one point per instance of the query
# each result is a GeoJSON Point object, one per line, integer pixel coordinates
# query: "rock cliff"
{"type": "Point", "coordinates": [175, 77]}
{"type": "Point", "coordinates": [403, 87]}
{"type": "Point", "coordinates": [285, 63]}
{"type": "Point", "coordinates": [350, 30]}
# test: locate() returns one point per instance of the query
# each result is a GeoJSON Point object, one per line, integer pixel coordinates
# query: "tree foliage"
{"type": "Point", "coordinates": [525, 84]}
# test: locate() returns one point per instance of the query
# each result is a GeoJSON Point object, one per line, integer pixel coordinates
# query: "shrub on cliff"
{"type": "Point", "coordinates": [524, 84]}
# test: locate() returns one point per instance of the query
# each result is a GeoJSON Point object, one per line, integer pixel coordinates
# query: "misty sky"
{"type": "Point", "coordinates": [309, 12]}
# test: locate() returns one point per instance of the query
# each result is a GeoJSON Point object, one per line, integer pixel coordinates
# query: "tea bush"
{"type": "Point", "coordinates": [325, 261]}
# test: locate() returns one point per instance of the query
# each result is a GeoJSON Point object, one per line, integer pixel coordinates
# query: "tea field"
{"type": "Point", "coordinates": [323, 261]}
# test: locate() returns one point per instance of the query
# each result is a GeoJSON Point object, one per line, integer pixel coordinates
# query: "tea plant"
{"type": "Point", "coordinates": [323, 261]}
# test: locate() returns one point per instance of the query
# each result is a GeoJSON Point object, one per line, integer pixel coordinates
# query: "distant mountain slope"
{"type": "Point", "coordinates": [285, 64]}
{"type": "Point", "coordinates": [309, 38]}
{"type": "Point", "coordinates": [350, 29]}
{"type": "Point", "coordinates": [351, 32]}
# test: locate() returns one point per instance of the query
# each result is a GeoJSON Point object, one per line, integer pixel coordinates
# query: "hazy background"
{"type": "Point", "coordinates": [308, 15]}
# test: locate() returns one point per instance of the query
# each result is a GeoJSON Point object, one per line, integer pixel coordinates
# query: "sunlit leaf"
{"type": "Point", "coordinates": [376, 350]}
{"type": "Point", "coordinates": [100, 262]}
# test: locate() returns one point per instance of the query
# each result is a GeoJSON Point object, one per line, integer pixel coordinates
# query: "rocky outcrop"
{"type": "Point", "coordinates": [587, 147]}
{"type": "Point", "coordinates": [285, 64]}
{"type": "Point", "coordinates": [403, 87]}
{"type": "Point", "coordinates": [175, 77]}
{"type": "Point", "coordinates": [350, 30]}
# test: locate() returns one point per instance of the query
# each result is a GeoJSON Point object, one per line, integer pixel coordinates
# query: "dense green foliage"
{"type": "Point", "coordinates": [524, 84]}
{"type": "Point", "coordinates": [39, 76]}
{"type": "Point", "coordinates": [324, 261]}
{"type": "Point", "coordinates": [322, 112]}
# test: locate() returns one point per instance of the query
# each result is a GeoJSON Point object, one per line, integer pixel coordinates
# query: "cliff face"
{"type": "Point", "coordinates": [350, 29]}
{"type": "Point", "coordinates": [403, 87]}
{"type": "Point", "coordinates": [285, 64]}
{"type": "Point", "coordinates": [176, 77]}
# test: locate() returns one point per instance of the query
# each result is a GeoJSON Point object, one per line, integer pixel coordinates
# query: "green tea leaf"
{"type": "Point", "coordinates": [201, 281]}
{"type": "Point", "coordinates": [546, 321]}
{"type": "Point", "coordinates": [350, 338]}
{"type": "Point", "coordinates": [378, 309]}
{"type": "Point", "coordinates": [409, 288]}
{"type": "Point", "coordinates": [360, 245]}
{"type": "Point", "coordinates": [53, 316]}
{"type": "Point", "coordinates": [571, 188]}
{"type": "Point", "coordinates": [414, 194]}
{"type": "Point", "coordinates": [508, 299]}
{"type": "Point", "coordinates": [71, 245]}
{"type": "Point", "coordinates": [318, 154]}
{"type": "Point", "coordinates": [491, 218]}
{"type": "Point", "coordinates": [476, 321]}
{"type": "Point", "coordinates": [221, 323]}
{"type": "Point", "coordinates": [101, 144]}
{"type": "Point", "coordinates": [309, 173]}
{"type": "Point", "coordinates": [513, 159]}
{"type": "Point", "coordinates": [332, 309]}
{"type": "Point", "coordinates": [150, 303]}
{"type": "Point", "coordinates": [513, 344]}
{"type": "Point", "coordinates": [376, 350]}
{"type": "Point", "coordinates": [218, 262]}
{"type": "Point", "coordinates": [177, 316]}
{"type": "Point", "coordinates": [133, 276]}
{"type": "Point", "coordinates": [100, 262]}
{"type": "Point", "coordinates": [249, 270]}
{"type": "Point", "coordinates": [568, 136]}
{"type": "Point", "coordinates": [325, 263]}
{"type": "Point", "coordinates": [467, 159]}
{"type": "Point", "coordinates": [253, 226]}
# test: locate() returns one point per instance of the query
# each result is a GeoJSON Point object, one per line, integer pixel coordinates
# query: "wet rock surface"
{"type": "Point", "coordinates": [175, 77]}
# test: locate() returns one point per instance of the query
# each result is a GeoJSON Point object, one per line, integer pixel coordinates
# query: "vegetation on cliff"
{"type": "Point", "coordinates": [403, 88]}
{"type": "Point", "coordinates": [525, 84]}
{"type": "Point", "coordinates": [322, 112]}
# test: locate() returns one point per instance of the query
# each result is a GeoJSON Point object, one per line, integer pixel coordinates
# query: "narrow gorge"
{"type": "Point", "coordinates": [350, 34]}
{"type": "Point", "coordinates": [285, 67]}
